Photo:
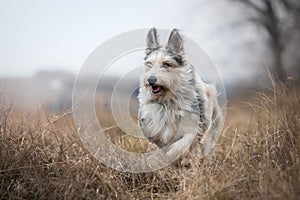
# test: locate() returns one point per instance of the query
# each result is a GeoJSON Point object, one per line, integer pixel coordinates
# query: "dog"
{"type": "Point", "coordinates": [177, 110]}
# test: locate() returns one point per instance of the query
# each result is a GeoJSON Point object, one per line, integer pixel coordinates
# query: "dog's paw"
{"type": "Point", "coordinates": [207, 145]}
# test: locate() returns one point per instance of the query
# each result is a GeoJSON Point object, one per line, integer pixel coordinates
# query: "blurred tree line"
{"type": "Point", "coordinates": [281, 21]}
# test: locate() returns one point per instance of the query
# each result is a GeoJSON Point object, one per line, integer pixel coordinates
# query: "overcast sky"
{"type": "Point", "coordinates": [53, 34]}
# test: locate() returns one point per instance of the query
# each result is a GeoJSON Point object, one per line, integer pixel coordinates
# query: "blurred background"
{"type": "Point", "coordinates": [43, 44]}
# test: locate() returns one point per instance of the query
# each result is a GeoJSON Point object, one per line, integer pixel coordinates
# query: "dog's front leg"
{"type": "Point", "coordinates": [180, 146]}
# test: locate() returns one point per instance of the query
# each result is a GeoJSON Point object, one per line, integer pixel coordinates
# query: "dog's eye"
{"type": "Point", "coordinates": [148, 64]}
{"type": "Point", "coordinates": [166, 65]}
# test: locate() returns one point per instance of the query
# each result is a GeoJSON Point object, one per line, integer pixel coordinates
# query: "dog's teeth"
{"type": "Point", "coordinates": [155, 89]}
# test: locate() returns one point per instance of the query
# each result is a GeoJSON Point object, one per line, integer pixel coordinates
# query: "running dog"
{"type": "Point", "coordinates": [176, 108]}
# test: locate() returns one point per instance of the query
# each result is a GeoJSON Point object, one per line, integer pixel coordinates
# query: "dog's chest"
{"type": "Point", "coordinates": [160, 123]}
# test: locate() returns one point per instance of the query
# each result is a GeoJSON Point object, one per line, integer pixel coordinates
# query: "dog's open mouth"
{"type": "Point", "coordinates": [156, 89]}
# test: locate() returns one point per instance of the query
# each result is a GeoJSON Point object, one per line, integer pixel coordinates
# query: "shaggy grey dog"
{"type": "Point", "coordinates": [177, 109]}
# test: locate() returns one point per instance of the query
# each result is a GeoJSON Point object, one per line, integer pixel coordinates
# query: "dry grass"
{"type": "Point", "coordinates": [258, 157]}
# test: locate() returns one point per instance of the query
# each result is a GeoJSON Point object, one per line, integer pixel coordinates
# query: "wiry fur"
{"type": "Point", "coordinates": [185, 108]}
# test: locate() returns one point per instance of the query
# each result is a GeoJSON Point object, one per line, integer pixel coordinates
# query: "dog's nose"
{"type": "Point", "coordinates": [152, 80]}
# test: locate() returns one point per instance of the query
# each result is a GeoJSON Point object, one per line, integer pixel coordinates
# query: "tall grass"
{"type": "Point", "coordinates": [257, 157]}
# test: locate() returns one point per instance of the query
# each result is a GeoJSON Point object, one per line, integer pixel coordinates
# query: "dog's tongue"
{"type": "Point", "coordinates": [155, 89]}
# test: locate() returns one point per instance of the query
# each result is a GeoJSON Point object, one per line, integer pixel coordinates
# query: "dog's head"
{"type": "Point", "coordinates": [165, 70]}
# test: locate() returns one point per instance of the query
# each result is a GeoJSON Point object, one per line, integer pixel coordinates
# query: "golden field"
{"type": "Point", "coordinates": [257, 156]}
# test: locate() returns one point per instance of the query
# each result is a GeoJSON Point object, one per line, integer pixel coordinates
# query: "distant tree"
{"type": "Point", "coordinates": [280, 19]}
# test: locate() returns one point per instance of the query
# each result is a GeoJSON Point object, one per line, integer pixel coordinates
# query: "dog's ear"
{"type": "Point", "coordinates": [152, 41]}
{"type": "Point", "coordinates": [175, 42]}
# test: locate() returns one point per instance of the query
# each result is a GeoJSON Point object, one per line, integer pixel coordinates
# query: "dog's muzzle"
{"type": "Point", "coordinates": [155, 88]}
